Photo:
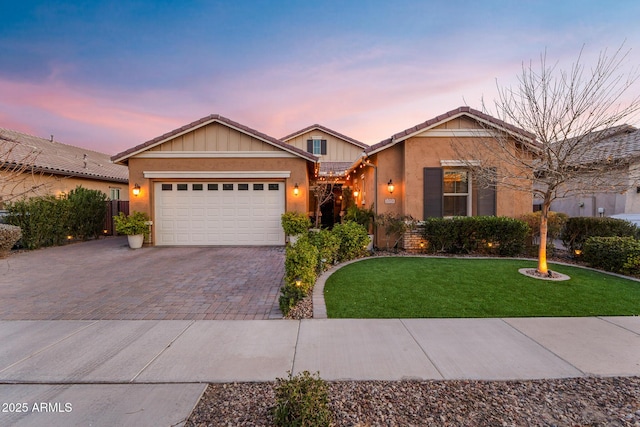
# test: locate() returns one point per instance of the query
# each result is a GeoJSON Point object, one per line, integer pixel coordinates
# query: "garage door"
{"type": "Point", "coordinates": [219, 213]}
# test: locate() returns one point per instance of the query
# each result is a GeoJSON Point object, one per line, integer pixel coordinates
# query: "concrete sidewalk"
{"type": "Point", "coordinates": [153, 372]}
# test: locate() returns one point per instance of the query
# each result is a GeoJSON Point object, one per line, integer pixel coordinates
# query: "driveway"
{"type": "Point", "coordinates": [104, 279]}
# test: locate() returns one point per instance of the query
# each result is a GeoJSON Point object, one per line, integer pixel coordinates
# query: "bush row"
{"type": "Point", "coordinates": [313, 253]}
{"type": "Point", "coordinates": [615, 254]}
{"type": "Point", "coordinates": [481, 234]}
{"type": "Point", "coordinates": [578, 229]}
{"type": "Point", "coordinates": [48, 220]}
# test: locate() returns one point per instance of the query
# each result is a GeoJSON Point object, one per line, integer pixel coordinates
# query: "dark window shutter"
{"type": "Point", "coordinates": [487, 198]}
{"type": "Point", "coordinates": [310, 146]}
{"type": "Point", "coordinates": [323, 146]}
{"type": "Point", "coordinates": [432, 192]}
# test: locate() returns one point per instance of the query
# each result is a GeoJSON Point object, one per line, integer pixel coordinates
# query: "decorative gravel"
{"type": "Point", "coordinates": [586, 401]}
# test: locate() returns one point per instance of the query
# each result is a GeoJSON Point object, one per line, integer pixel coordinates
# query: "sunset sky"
{"type": "Point", "coordinates": [108, 75]}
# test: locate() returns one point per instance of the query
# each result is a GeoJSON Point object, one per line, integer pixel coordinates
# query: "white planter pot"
{"type": "Point", "coordinates": [370, 244]}
{"type": "Point", "coordinates": [135, 241]}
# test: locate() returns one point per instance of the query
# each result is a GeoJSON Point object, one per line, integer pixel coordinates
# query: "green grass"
{"type": "Point", "coordinates": [405, 287]}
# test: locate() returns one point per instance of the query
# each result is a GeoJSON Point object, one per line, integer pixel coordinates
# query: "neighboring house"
{"type": "Point", "coordinates": [428, 176]}
{"type": "Point", "coordinates": [336, 153]}
{"type": "Point", "coordinates": [619, 147]}
{"type": "Point", "coordinates": [217, 182]}
{"type": "Point", "coordinates": [33, 166]}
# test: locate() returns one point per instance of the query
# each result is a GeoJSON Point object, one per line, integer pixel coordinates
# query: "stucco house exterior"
{"type": "Point", "coordinates": [620, 148]}
{"type": "Point", "coordinates": [33, 166]}
{"type": "Point", "coordinates": [428, 177]}
{"type": "Point", "coordinates": [218, 182]}
{"type": "Point", "coordinates": [336, 154]}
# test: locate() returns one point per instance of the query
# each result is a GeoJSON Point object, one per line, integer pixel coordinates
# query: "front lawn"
{"type": "Point", "coordinates": [412, 287]}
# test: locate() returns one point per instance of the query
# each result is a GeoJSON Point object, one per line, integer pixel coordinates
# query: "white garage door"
{"type": "Point", "coordinates": [219, 213]}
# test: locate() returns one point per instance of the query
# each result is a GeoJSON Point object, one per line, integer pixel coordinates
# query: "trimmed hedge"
{"type": "Point", "coordinates": [578, 229]}
{"type": "Point", "coordinates": [48, 220]}
{"type": "Point", "coordinates": [616, 254]}
{"type": "Point", "coordinates": [481, 234]}
{"type": "Point", "coordinates": [315, 252]}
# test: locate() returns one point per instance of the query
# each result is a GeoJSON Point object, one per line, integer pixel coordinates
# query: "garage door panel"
{"type": "Point", "coordinates": [232, 214]}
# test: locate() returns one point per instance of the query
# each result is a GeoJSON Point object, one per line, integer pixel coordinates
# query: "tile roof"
{"type": "Point", "coordinates": [123, 156]}
{"type": "Point", "coordinates": [617, 144]}
{"type": "Point", "coordinates": [48, 156]}
{"type": "Point", "coordinates": [468, 111]}
{"type": "Point", "coordinates": [327, 130]}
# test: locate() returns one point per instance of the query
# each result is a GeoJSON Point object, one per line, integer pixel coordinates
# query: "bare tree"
{"type": "Point", "coordinates": [323, 192]}
{"type": "Point", "coordinates": [18, 175]}
{"type": "Point", "coordinates": [569, 114]}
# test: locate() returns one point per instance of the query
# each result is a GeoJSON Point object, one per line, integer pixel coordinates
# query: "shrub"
{"type": "Point", "coordinates": [353, 240]}
{"type": "Point", "coordinates": [294, 223]}
{"type": "Point", "coordinates": [328, 245]}
{"type": "Point", "coordinates": [44, 220]}
{"type": "Point", "coordinates": [616, 254]}
{"type": "Point", "coordinates": [302, 400]}
{"type": "Point", "coordinates": [364, 217]}
{"type": "Point", "coordinates": [9, 235]}
{"type": "Point", "coordinates": [395, 225]}
{"type": "Point", "coordinates": [136, 223]}
{"type": "Point", "coordinates": [87, 211]}
{"type": "Point", "coordinates": [483, 234]}
{"type": "Point", "coordinates": [300, 265]}
{"type": "Point", "coordinates": [578, 229]}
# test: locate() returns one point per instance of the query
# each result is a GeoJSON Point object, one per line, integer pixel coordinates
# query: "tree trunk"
{"type": "Point", "coordinates": [542, 251]}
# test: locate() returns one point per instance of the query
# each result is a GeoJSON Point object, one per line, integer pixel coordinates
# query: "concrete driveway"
{"type": "Point", "coordinates": [104, 279]}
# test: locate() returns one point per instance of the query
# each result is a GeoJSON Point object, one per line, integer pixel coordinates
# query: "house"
{"type": "Point", "coordinates": [218, 182]}
{"type": "Point", "coordinates": [619, 147]}
{"type": "Point", "coordinates": [419, 172]}
{"type": "Point", "coordinates": [34, 166]}
{"type": "Point", "coordinates": [336, 153]}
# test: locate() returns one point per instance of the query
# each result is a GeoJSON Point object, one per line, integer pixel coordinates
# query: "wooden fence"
{"type": "Point", "coordinates": [113, 208]}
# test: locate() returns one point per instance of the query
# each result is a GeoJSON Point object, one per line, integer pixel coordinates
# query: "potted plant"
{"type": "Point", "coordinates": [134, 226]}
{"type": "Point", "coordinates": [294, 224]}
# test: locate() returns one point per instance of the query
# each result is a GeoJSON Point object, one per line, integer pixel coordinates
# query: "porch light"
{"type": "Point", "coordinates": [390, 186]}
{"type": "Point", "coordinates": [296, 189]}
{"type": "Point", "coordinates": [136, 190]}
{"type": "Point", "coordinates": [356, 192]}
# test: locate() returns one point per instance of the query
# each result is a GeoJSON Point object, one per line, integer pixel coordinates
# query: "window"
{"type": "Point", "coordinates": [227, 187]}
{"type": "Point", "coordinates": [167, 187]}
{"type": "Point", "coordinates": [273, 187]}
{"type": "Point", "coordinates": [456, 193]}
{"type": "Point", "coordinates": [183, 187]}
{"type": "Point", "coordinates": [196, 187]}
{"type": "Point", "coordinates": [212, 187]}
{"type": "Point", "coordinates": [317, 146]}
{"type": "Point", "coordinates": [258, 187]}
{"type": "Point", "coordinates": [115, 194]}
{"type": "Point", "coordinates": [243, 187]}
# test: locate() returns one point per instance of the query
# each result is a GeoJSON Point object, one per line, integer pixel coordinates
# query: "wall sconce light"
{"type": "Point", "coordinates": [296, 189]}
{"type": "Point", "coordinates": [390, 186]}
{"type": "Point", "coordinates": [356, 192]}
{"type": "Point", "coordinates": [136, 190]}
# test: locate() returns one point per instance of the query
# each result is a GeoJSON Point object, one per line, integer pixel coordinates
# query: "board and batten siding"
{"type": "Point", "coordinates": [338, 150]}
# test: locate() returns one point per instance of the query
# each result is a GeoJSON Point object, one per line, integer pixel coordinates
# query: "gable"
{"type": "Point", "coordinates": [337, 149]}
{"type": "Point", "coordinates": [214, 137]}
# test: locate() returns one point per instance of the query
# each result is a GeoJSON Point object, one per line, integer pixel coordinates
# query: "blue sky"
{"type": "Point", "coordinates": [108, 75]}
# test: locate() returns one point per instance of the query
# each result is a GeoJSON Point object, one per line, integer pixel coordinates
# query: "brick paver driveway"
{"type": "Point", "coordinates": [104, 279]}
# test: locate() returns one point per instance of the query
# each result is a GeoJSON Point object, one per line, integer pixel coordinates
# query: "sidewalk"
{"type": "Point", "coordinates": [153, 372]}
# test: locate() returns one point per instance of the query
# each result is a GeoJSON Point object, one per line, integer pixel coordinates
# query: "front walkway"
{"type": "Point", "coordinates": [104, 279]}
